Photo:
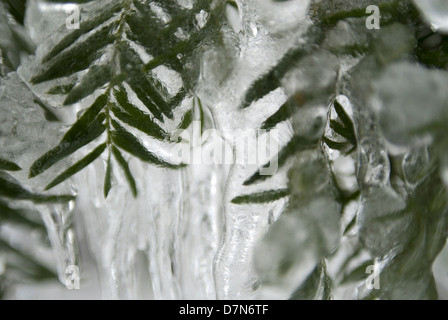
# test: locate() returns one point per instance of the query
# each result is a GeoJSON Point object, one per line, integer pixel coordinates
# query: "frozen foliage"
{"type": "Point", "coordinates": [103, 132]}
{"type": "Point", "coordinates": [403, 91]}
{"type": "Point", "coordinates": [25, 130]}
{"type": "Point", "coordinates": [14, 43]}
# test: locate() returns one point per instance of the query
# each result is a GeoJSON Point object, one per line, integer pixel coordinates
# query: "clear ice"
{"type": "Point", "coordinates": [372, 193]}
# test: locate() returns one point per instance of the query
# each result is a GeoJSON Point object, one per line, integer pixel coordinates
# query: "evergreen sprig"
{"type": "Point", "coordinates": [105, 53]}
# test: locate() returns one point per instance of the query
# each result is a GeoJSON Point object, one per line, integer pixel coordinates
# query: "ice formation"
{"type": "Point", "coordinates": [358, 115]}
